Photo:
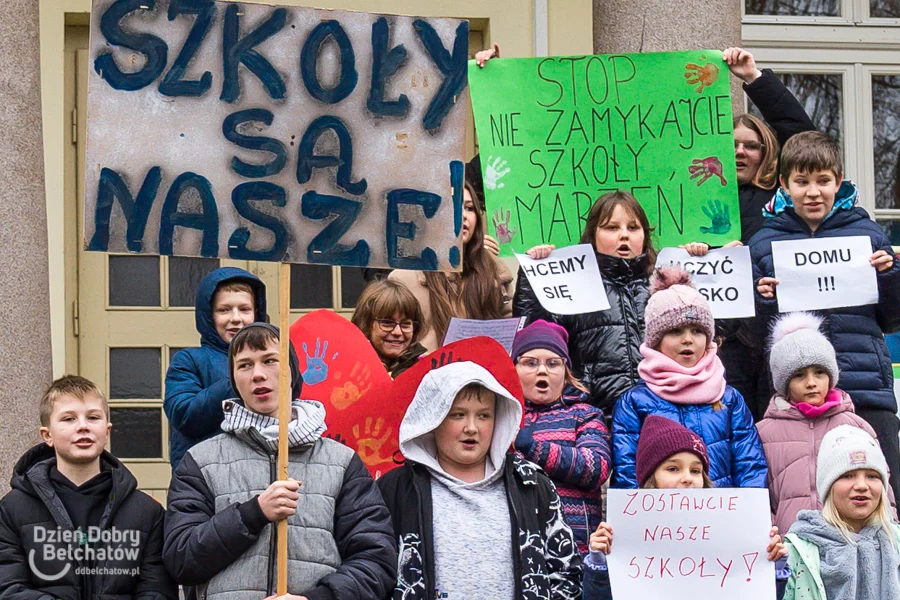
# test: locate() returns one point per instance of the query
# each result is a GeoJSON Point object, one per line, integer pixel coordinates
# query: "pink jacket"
{"type": "Point", "coordinates": [791, 443]}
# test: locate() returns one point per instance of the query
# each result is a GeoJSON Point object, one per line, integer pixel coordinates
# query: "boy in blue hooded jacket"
{"type": "Point", "coordinates": [197, 381]}
{"type": "Point", "coordinates": [815, 202]}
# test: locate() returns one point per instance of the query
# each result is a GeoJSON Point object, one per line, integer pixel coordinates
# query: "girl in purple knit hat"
{"type": "Point", "coordinates": [669, 456]}
{"type": "Point", "coordinates": [563, 434]}
{"type": "Point", "coordinates": [683, 379]}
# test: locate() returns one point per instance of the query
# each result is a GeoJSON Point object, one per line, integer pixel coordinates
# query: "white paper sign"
{"type": "Point", "coordinates": [502, 330]}
{"type": "Point", "coordinates": [568, 281]}
{"type": "Point", "coordinates": [724, 277]}
{"type": "Point", "coordinates": [687, 544]}
{"type": "Point", "coordinates": [824, 273]}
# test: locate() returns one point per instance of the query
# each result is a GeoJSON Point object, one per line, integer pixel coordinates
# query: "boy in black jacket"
{"type": "Point", "coordinates": [75, 525]}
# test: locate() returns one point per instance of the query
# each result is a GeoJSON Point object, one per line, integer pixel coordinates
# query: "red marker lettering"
{"type": "Point", "coordinates": [644, 505]}
{"type": "Point", "coordinates": [679, 534]}
{"type": "Point", "coordinates": [750, 564]}
{"type": "Point", "coordinates": [685, 503]}
{"type": "Point", "coordinates": [650, 537]}
{"type": "Point", "coordinates": [731, 503]}
{"type": "Point", "coordinates": [647, 574]}
{"type": "Point", "coordinates": [727, 569]}
{"type": "Point", "coordinates": [631, 498]}
{"type": "Point", "coordinates": [705, 536]}
{"type": "Point", "coordinates": [693, 536]}
{"type": "Point", "coordinates": [664, 567]}
{"type": "Point", "coordinates": [702, 565]}
{"type": "Point", "coordinates": [635, 565]}
{"type": "Point", "coordinates": [681, 566]}
{"type": "Point", "coordinates": [666, 533]}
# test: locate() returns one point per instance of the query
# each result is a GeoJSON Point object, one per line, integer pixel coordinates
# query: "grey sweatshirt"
{"type": "Point", "coordinates": [471, 521]}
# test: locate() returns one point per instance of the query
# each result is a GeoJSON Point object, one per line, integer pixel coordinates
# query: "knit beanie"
{"type": "Point", "coordinates": [798, 343]}
{"type": "Point", "coordinates": [542, 335]}
{"type": "Point", "coordinates": [847, 448]}
{"type": "Point", "coordinates": [662, 438]}
{"type": "Point", "coordinates": [674, 303]}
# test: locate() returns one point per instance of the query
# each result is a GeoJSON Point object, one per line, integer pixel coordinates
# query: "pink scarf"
{"type": "Point", "coordinates": [832, 399]}
{"type": "Point", "coordinates": [704, 383]}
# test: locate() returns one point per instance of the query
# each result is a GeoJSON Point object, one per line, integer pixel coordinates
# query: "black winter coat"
{"type": "Point", "coordinates": [856, 332]}
{"type": "Point", "coordinates": [786, 116]}
{"type": "Point", "coordinates": [545, 558]}
{"type": "Point", "coordinates": [32, 512]}
{"type": "Point", "coordinates": [605, 345]}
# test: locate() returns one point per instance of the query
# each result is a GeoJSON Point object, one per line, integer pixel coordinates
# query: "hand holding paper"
{"type": "Point", "coordinates": [568, 281]}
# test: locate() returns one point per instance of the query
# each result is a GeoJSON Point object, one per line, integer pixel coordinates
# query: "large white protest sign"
{"type": "Point", "coordinates": [824, 273]}
{"type": "Point", "coordinates": [687, 544]}
{"type": "Point", "coordinates": [567, 282]}
{"type": "Point", "coordinates": [502, 330]}
{"type": "Point", "coordinates": [724, 277]}
{"type": "Point", "coordinates": [257, 132]}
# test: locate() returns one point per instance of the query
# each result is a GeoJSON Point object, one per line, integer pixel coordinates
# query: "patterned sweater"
{"type": "Point", "coordinates": [570, 442]}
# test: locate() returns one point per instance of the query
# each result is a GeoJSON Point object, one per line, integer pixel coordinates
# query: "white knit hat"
{"type": "Point", "coordinates": [798, 343]}
{"type": "Point", "coordinates": [847, 448]}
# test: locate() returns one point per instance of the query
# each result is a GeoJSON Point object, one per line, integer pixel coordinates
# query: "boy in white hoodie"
{"type": "Point", "coordinates": [474, 520]}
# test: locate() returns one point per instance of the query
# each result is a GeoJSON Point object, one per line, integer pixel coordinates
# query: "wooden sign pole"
{"type": "Point", "coordinates": [284, 413]}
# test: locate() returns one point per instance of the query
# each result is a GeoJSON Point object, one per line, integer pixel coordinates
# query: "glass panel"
{"type": "Point", "coordinates": [134, 373]}
{"type": "Point", "coordinates": [173, 352]}
{"type": "Point", "coordinates": [311, 286]}
{"type": "Point", "coordinates": [822, 97]}
{"type": "Point", "coordinates": [136, 432]}
{"type": "Point", "coordinates": [884, 9]}
{"type": "Point", "coordinates": [184, 278]}
{"type": "Point", "coordinates": [891, 229]}
{"type": "Point", "coordinates": [886, 121]}
{"type": "Point", "coordinates": [352, 284]}
{"type": "Point", "coordinates": [799, 8]}
{"type": "Point", "coordinates": [134, 281]}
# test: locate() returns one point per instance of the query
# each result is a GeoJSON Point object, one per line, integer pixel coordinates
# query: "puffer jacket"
{"type": "Point", "coordinates": [856, 332]}
{"type": "Point", "coordinates": [197, 379]}
{"type": "Point", "coordinates": [791, 442]}
{"type": "Point", "coordinates": [736, 456]}
{"type": "Point", "coordinates": [32, 511]}
{"type": "Point", "coordinates": [605, 345]}
{"type": "Point", "coordinates": [340, 542]}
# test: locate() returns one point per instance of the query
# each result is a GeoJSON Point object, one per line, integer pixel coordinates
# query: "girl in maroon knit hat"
{"type": "Point", "coordinates": [669, 456]}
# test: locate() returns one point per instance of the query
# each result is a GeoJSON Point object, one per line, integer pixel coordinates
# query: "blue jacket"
{"type": "Point", "coordinates": [197, 380]}
{"type": "Point", "coordinates": [856, 332]}
{"type": "Point", "coordinates": [736, 457]}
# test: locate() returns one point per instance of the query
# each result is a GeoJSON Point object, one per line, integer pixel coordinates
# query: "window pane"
{"type": "Point", "coordinates": [799, 8]}
{"type": "Point", "coordinates": [884, 9]}
{"type": "Point", "coordinates": [136, 432]}
{"type": "Point", "coordinates": [311, 286]}
{"type": "Point", "coordinates": [134, 281]}
{"type": "Point", "coordinates": [821, 96]}
{"type": "Point", "coordinates": [886, 119]}
{"type": "Point", "coordinates": [352, 284]}
{"type": "Point", "coordinates": [134, 373]}
{"type": "Point", "coordinates": [184, 278]}
{"type": "Point", "coordinates": [891, 229]}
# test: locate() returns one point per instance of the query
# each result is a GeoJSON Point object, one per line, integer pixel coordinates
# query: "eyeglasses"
{"type": "Point", "coordinates": [749, 146]}
{"type": "Point", "coordinates": [529, 363]}
{"type": "Point", "coordinates": [387, 325]}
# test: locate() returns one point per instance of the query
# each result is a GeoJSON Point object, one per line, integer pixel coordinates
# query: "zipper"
{"type": "Point", "coordinates": [812, 453]}
{"type": "Point", "coordinates": [631, 373]}
{"type": "Point", "coordinates": [273, 539]}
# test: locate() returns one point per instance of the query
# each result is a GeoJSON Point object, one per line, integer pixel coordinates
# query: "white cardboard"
{"type": "Point", "coordinates": [724, 277]}
{"type": "Point", "coordinates": [567, 282]}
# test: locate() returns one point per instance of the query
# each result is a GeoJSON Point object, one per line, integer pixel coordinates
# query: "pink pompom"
{"type": "Point", "coordinates": [792, 322]}
{"type": "Point", "coordinates": [665, 277]}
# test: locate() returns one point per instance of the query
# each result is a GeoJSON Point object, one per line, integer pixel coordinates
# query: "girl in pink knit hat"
{"type": "Point", "coordinates": [669, 456]}
{"type": "Point", "coordinates": [683, 379]}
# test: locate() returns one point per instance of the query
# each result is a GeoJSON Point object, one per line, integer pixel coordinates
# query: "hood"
{"type": "Point", "coordinates": [31, 475]}
{"type": "Point", "coordinates": [432, 403]}
{"type": "Point", "coordinates": [294, 362]}
{"type": "Point", "coordinates": [203, 303]}
{"type": "Point", "coordinates": [781, 408]}
{"type": "Point", "coordinates": [846, 198]}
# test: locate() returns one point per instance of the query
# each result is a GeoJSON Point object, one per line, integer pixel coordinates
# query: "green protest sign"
{"type": "Point", "coordinates": [556, 133]}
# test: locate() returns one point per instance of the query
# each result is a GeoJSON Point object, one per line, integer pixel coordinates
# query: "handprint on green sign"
{"type": "Point", "coordinates": [718, 214]}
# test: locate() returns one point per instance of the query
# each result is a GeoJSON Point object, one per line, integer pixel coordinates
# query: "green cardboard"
{"type": "Point", "coordinates": [554, 134]}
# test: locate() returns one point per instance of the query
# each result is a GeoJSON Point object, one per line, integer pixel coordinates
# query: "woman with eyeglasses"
{"type": "Point", "coordinates": [481, 291]}
{"type": "Point", "coordinates": [563, 433]}
{"type": "Point", "coordinates": [388, 314]}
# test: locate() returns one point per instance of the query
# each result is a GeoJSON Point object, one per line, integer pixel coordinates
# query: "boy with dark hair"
{"type": "Point", "coordinates": [74, 524]}
{"type": "Point", "coordinates": [813, 201]}
{"type": "Point", "coordinates": [474, 519]}
{"type": "Point", "coordinates": [224, 498]}
{"type": "Point", "coordinates": [197, 380]}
